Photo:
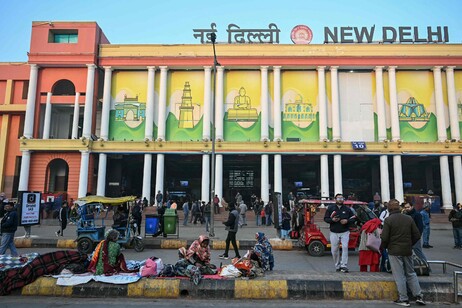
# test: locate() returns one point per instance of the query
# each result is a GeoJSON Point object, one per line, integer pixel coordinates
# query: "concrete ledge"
{"type": "Point", "coordinates": [260, 288]}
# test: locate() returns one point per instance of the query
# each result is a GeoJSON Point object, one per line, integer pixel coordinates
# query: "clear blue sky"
{"type": "Point", "coordinates": [171, 22]}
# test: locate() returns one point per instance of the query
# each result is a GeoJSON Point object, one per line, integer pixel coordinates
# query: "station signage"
{"type": "Point", "coordinates": [302, 34]}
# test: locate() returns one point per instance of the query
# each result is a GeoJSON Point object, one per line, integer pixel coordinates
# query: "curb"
{"type": "Point", "coordinates": [152, 243]}
{"type": "Point", "coordinates": [239, 289]}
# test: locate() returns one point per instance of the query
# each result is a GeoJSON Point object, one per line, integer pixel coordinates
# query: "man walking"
{"type": "Point", "coordinates": [159, 199]}
{"type": "Point", "coordinates": [242, 213]}
{"type": "Point", "coordinates": [232, 225]}
{"type": "Point", "coordinates": [425, 212]}
{"type": "Point", "coordinates": [62, 216]}
{"type": "Point", "coordinates": [417, 217]}
{"type": "Point", "coordinates": [339, 217]}
{"type": "Point", "coordinates": [399, 234]}
{"type": "Point", "coordinates": [9, 225]}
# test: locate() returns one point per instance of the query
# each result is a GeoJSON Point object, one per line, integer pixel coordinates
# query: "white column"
{"type": "Point", "coordinates": [75, 118]}
{"type": "Point", "coordinates": [102, 166]}
{"type": "Point", "coordinates": [277, 104]}
{"type": "Point", "coordinates": [322, 106]}
{"type": "Point", "coordinates": [264, 103]}
{"type": "Point", "coordinates": [278, 173]}
{"type": "Point", "coordinates": [147, 176]}
{"type": "Point", "coordinates": [398, 178]}
{"type": "Point", "coordinates": [384, 178]}
{"type": "Point", "coordinates": [452, 104]}
{"type": "Point", "coordinates": [395, 131]}
{"type": "Point", "coordinates": [106, 103]}
{"type": "Point", "coordinates": [205, 183]}
{"type": "Point", "coordinates": [207, 103]}
{"type": "Point", "coordinates": [162, 103]}
{"type": "Point", "coordinates": [324, 176]}
{"type": "Point", "coordinates": [83, 176]}
{"type": "Point", "coordinates": [47, 120]}
{"type": "Point", "coordinates": [30, 105]}
{"type": "Point", "coordinates": [219, 175]}
{"type": "Point", "coordinates": [338, 187]}
{"type": "Point", "coordinates": [336, 133]}
{"type": "Point", "coordinates": [24, 173]}
{"type": "Point", "coordinates": [445, 183]}
{"type": "Point", "coordinates": [440, 116]}
{"type": "Point", "coordinates": [265, 178]}
{"type": "Point", "coordinates": [457, 166]}
{"type": "Point", "coordinates": [150, 108]}
{"type": "Point", "coordinates": [87, 117]}
{"type": "Point", "coordinates": [381, 119]}
{"type": "Point", "coordinates": [219, 104]}
{"type": "Point", "coordinates": [160, 173]}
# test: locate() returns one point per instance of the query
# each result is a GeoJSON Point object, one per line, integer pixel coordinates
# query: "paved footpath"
{"type": "Point", "coordinates": [298, 275]}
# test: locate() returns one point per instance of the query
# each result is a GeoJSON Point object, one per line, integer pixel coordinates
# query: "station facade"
{"type": "Point", "coordinates": [86, 116]}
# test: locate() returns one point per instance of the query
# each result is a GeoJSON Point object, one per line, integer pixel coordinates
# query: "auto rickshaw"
{"type": "Point", "coordinates": [311, 236]}
{"type": "Point", "coordinates": [89, 234]}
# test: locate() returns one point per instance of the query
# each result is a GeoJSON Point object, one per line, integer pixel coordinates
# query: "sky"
{"type": "Point", "coordinates": [172, 22]}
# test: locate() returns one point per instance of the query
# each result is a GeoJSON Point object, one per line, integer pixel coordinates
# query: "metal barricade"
{"type": "Point", "coordinates": [456, 276]}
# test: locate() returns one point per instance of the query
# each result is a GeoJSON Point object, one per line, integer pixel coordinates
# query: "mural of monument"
{"type": "Point", "coordinates": [130, 111]}
{"type": "Point", "coordinates": [242, 110]}
{"type": "Point", "coordinates": [298, 111]}
{"type": "Point", "coordinates": [413, 111]}
{"type": "Point", "coordinates": [186, 119]}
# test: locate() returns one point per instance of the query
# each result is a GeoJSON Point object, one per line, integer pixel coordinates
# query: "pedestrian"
{"type": "Point", "coordinates": [145, 203]}
{"type": "Point", "coordinates": [257, 210]}
{"type": "Point", "coordinates": [417, 217]}
{"type": "Point", "coordinates": [62, 216]}
{"type": "Point", "coordinates": [291, 199]}
{"type": "Point", "coordinates": [455, 217]}
{"type": "Point", "coordinates": [425, 212]}
{"type": "Point", "coordinates": [232, 225]}
{"type": "Point", "coordinates": [137, 214]}
{"type": "Point", "coordinates": [399, 235]}
{"type": "Point", "coordinates": [3, 201]}
{"type": "Point", "coordinates": [238, 198]}
{"type": "Point", "coordinates": [285, 226]}
{"type": "Point", "coordinates": [339, 217]}
{"type": "Point", "coordinates": [9, 225]}
{"type": "Point", "coordinates": [196, 211]}
{"type": "Point", "coordinates": [269, 213]}
{"type": "Point", "coordinates": [159, 199]}
{"type": "Point", "coordinates": [242, 213]}
{"type": "Point", "coordinates": [369, 257]}
{"type": "Point", "coordinates": [207, 215]}
{"type": "Point", "coordinates": [216, 204]}
{"type": "Point", "coordinates": [185, 213]}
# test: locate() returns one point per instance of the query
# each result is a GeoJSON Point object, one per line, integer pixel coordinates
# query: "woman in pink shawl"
{"type": "Point", "coordinates": [198, 254]}
{"type": "Point", "coordinates": [369, 257]}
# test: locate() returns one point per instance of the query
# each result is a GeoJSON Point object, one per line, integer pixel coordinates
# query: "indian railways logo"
{"type": "Point", "coordinates": [301, 34]}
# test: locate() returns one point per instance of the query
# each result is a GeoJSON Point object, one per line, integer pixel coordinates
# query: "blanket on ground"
{"type": "Point", "coordinates": [45, 264]}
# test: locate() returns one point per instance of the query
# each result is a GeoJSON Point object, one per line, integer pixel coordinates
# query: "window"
{"type": "Point", "coordinates": [63, 87]}
{"type": "Point", "coordinates": [63, 36]}
{"type": "Point", "coordinates": [25, 89]}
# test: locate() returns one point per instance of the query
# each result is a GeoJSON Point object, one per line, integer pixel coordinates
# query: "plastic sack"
{"type": "Point", "coordinates": [230, 271]}
{"type": "Point", "coordinates": [149, 269]}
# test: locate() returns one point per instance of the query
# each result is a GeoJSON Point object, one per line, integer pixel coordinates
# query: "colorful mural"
{"type": "Point", "coordinates": [416, 103]}
{"type": "Point", "coordinates": [128, 106]}
{"type": "Point", "coordinates": [458, 86]}
{"type": "Point", "coordinates": [185, 106]}
{"type": "Point", "coordinates": [242, 106]}
{"type": "Point", "coordinates": [299, 105]}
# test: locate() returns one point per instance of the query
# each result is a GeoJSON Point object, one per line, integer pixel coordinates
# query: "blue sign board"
{"type": "Point", "coordinates": [358, 145]}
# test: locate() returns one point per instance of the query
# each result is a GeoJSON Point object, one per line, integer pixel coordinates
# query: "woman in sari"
{"type": "Point", "coordinates": [264, 251]}
{"type": "Point", "coordinates": [107, 259]}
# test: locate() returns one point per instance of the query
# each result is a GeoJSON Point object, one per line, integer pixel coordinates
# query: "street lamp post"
{"type": "Point", "coordinates": [213, 38]}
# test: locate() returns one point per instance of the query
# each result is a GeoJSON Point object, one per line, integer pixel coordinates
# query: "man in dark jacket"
{"type": "Point", "coordinates": [9, 225]}
{"type": "Point", "coordinates": [399, 234]}
{"type": "Point", "coordinates": [417, 217]}
{"type": "Point", "coordinates": [232, 224]}
{"type": "Point", "coordinates": [339, 217]}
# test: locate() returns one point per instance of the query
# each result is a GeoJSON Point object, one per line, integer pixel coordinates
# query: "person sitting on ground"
{"type": "Point", "coordinates": [198, 254]}
{"type": "Point", "coordinates": [264, 250]}
{"type": "Point", "coordinates": [107, 258]}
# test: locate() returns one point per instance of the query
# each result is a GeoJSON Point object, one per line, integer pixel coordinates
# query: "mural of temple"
{"type": "Point", "coordinates": [413, 111]}
{"type": "Point", "coordinates": [299, 111]}
{"type": "Point", "coordinates": [242, 110]}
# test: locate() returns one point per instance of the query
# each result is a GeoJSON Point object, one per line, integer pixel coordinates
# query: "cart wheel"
{"type": "Point", "coordinates": [316, 248]}
{"type": "Point", "coordinates": [139, 245]}
{"type": "Point", "coordinates": [85, 245]}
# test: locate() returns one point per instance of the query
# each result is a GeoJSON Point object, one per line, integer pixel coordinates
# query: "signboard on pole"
{"type": "Point", "coordinates": [29, 208]}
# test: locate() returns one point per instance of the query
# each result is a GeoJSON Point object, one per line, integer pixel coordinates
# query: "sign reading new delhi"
{"type": "Point", "coordinates": [302, 34]}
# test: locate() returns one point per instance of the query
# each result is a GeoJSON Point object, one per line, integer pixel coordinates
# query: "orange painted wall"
{"type": "Point", "coordinates": [49, 76]}
{"type": "Point", "coordinates": [40, 162]}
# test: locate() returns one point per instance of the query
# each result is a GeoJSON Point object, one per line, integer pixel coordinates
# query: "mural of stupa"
{"type": "Point", "coordinates": [298, 111]}
{"type": "Point", "coordinates": [131, 111]}
{"type": "Point", "coordinates": [186, 108]}
{"type": "Point", "coordinates": [242, 110]}
{"type": "Point", "coordinates": [413, 111]}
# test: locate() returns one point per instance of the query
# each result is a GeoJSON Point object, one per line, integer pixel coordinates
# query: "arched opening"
{"type": "Point", "coordinates": [57, 176]}
{"type": "Point", "coordinates": [63, 87]}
